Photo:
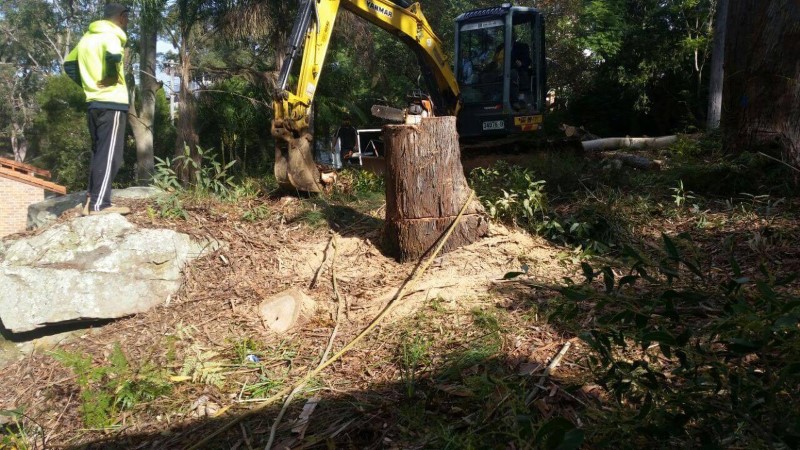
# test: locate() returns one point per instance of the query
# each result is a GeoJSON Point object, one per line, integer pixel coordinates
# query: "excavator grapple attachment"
{"type": "Point", "coordinates": [295, 168]}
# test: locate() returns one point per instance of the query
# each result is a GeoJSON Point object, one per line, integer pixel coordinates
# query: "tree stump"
{"type": "Point", "coordinates": [426, 188]}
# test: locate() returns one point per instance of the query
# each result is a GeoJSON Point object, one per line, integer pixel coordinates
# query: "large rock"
{"type": "Point", "coordinates": [47, 211]}
{"type": "Point", "coordinates": [95, 267]}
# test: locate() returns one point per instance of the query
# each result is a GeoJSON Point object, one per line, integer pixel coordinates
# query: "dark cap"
{"type": "Point", "coordinates": [112, 10]}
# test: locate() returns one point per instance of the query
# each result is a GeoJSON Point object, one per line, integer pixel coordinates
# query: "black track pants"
{"type": "Point", "coordinates": [107, 128]}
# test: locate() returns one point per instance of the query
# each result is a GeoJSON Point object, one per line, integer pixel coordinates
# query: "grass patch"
{"type": "Point", "coordinates": [107, 389]}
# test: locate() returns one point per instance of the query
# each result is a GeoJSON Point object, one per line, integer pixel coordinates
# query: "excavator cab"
{"type": "Point", "coordinates": [500, 67]}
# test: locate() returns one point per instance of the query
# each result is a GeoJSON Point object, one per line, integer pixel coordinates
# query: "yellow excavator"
{"type": "Point", "coordinates": [496, 87]}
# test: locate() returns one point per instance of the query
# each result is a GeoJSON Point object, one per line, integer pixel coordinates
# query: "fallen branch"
{"type": "Point", "coordinates": [322, 264]}
{"type": "Point", "coordinates": [550, 368]}
{"type": "Point", "coordinates": [780, 161]}
{"type": "Point", "coordinates": [400, 294]}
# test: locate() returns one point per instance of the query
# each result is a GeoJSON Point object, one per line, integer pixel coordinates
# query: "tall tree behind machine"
{"type": "Point", "coordinates": [762, 87]}
{"type": "Point", "coordinates": [717, 66]}
{"type": "Point", "coordinates": [187, 16]}
{"type": "Point", "coordinates": [33, 36]}
{"type": "Point", "coordinates": [141, 115]}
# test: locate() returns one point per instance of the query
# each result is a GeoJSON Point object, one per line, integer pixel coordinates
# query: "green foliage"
{"type": "Point", "coordinates": [314, 217]}
{"type": "Point", "coordinates": [171, 207]}
{"type": "Point", "coordinates": [463, 392]}
{"type": "Point", "coordinates": [704, 363]}
{"type": "Point", "coordinates": [681, 195]}
{"type": "Point", "coordinates": [60, 138]}
{"type": "Point", "coordinates": [108, 389]}
{"type": "Point", "coordinates": [246, 346]}
{"type": "Point", "coordinates": [16, 435]}
{"type": "Point", "coordinates": [355, 185]}
{"type": "Point", "coordinates": [203, 366]}
{"type": "Point", "coordinates": [413, 357]}
{"type": "Point", "coordinates": [263, 387]}
{"type": "Point", "coordinates": [256, 213]}
{"type": "Point", "coordinates": [647, 60]}
{"type": "Point", "coordinates": [234, 117]}
{"type": "Point", "coordinates": [164, 131]}
{"type": "Point", "coordinates": [164, 176]}
{"type": "Point", "coordinates": [511, 193]}
{"type": "Point", "coordinates": [210, 177]}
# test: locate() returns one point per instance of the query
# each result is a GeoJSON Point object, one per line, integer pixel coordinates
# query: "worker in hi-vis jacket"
{"type": "Point", "coordinates": [96, 65]}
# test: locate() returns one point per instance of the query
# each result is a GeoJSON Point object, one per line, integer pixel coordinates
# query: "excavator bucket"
{"type": "Point", "coordinates": [295, 168]}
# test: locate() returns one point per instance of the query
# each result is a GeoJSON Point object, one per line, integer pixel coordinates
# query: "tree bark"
{"type": "Point", "coordinates": [717, 66]}
{"type": "Point", "coordinates": [761, 96]}
{"type": "Point", "coordinates": [187, 112]}
{"type": "Point", "coordinates": [142, 117]}
{"type": "Point", "coordinates": [426, 188]}
{"type": "Point", "coordinates": [19, 143]}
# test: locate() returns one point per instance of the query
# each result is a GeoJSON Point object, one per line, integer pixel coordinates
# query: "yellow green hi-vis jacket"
{"type": "Point", "coordinates": [98, 56]}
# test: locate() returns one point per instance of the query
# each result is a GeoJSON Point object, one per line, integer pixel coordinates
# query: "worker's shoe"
{"type": "Point", "coordinates": [113, 209]}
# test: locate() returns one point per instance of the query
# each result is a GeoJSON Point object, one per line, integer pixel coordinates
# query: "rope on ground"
{"type": "Point", "coordinates": [325, 354]}
{"type": "Point", "coordinates": [417, 275]}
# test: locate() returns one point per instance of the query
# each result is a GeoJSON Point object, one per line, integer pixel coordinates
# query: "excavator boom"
{"type": "Point", "coordinates": [497, 90]}
{"type": "Point", "coordinates": [311, 35]}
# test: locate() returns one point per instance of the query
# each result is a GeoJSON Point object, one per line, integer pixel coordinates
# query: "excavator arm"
{"type": "Point", "coordinates": [311, 36]}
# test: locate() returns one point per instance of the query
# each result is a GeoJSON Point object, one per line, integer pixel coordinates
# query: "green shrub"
{"type": "Point", "coordinates": [108, 389]}
{"type": "Point", "coordinates": [688, 360]}
{"type": "Point", "coordinates": [60, 139]}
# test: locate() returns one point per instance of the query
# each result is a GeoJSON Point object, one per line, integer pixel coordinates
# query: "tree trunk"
{"type": "Point", "coordinates": [19, 143]}
{"type": "Point", "coordinates": [187, 135]}
{"type": "Point", "coordinates": [142, 118]}
{"type": "Point", "coordinates": [717, 66]}
{"type": "Point", "coordinates": [761, 96]}
{"type": "Point", "coordinates": [426, 188]}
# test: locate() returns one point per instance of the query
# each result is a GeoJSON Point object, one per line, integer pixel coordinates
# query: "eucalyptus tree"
{"type": "Point", "coordinates": [761, 97]}
{"type": "Point", "coordinates": [141, 114]}
{"type": "Point", "coordinates": [32, 42]}
{"type": "Point", "coordinates": [717, 66]}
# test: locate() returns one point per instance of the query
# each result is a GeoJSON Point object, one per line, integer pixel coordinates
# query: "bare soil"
{"type": "Point", "coordinates": [217, 308]}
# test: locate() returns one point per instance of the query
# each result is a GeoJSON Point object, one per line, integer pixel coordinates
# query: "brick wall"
{"type": "Point", "coordinates": [14, 200]}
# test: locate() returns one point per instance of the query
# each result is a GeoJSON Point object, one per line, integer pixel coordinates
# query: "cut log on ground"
{"type": "Point", "coordinates": [579, 133]}
{"type": "Point", "coordinates": [627, 142]}
{"type": "Point", "coordinates": [426, 188]}
{"type": "Point", "coordinates": [635, 161]}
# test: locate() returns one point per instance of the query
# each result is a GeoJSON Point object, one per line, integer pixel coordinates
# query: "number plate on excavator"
{"type": "Point", "coordinates": [494, 125]}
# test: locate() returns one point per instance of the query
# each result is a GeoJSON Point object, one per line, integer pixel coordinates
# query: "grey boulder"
{"type": "Point", "coordinates": [95, 267]}
{"type": "Point", "coordinates": [47, 211]}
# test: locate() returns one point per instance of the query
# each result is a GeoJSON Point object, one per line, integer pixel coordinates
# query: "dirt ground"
{"type": "Point", "coordinates": [216, 309]}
